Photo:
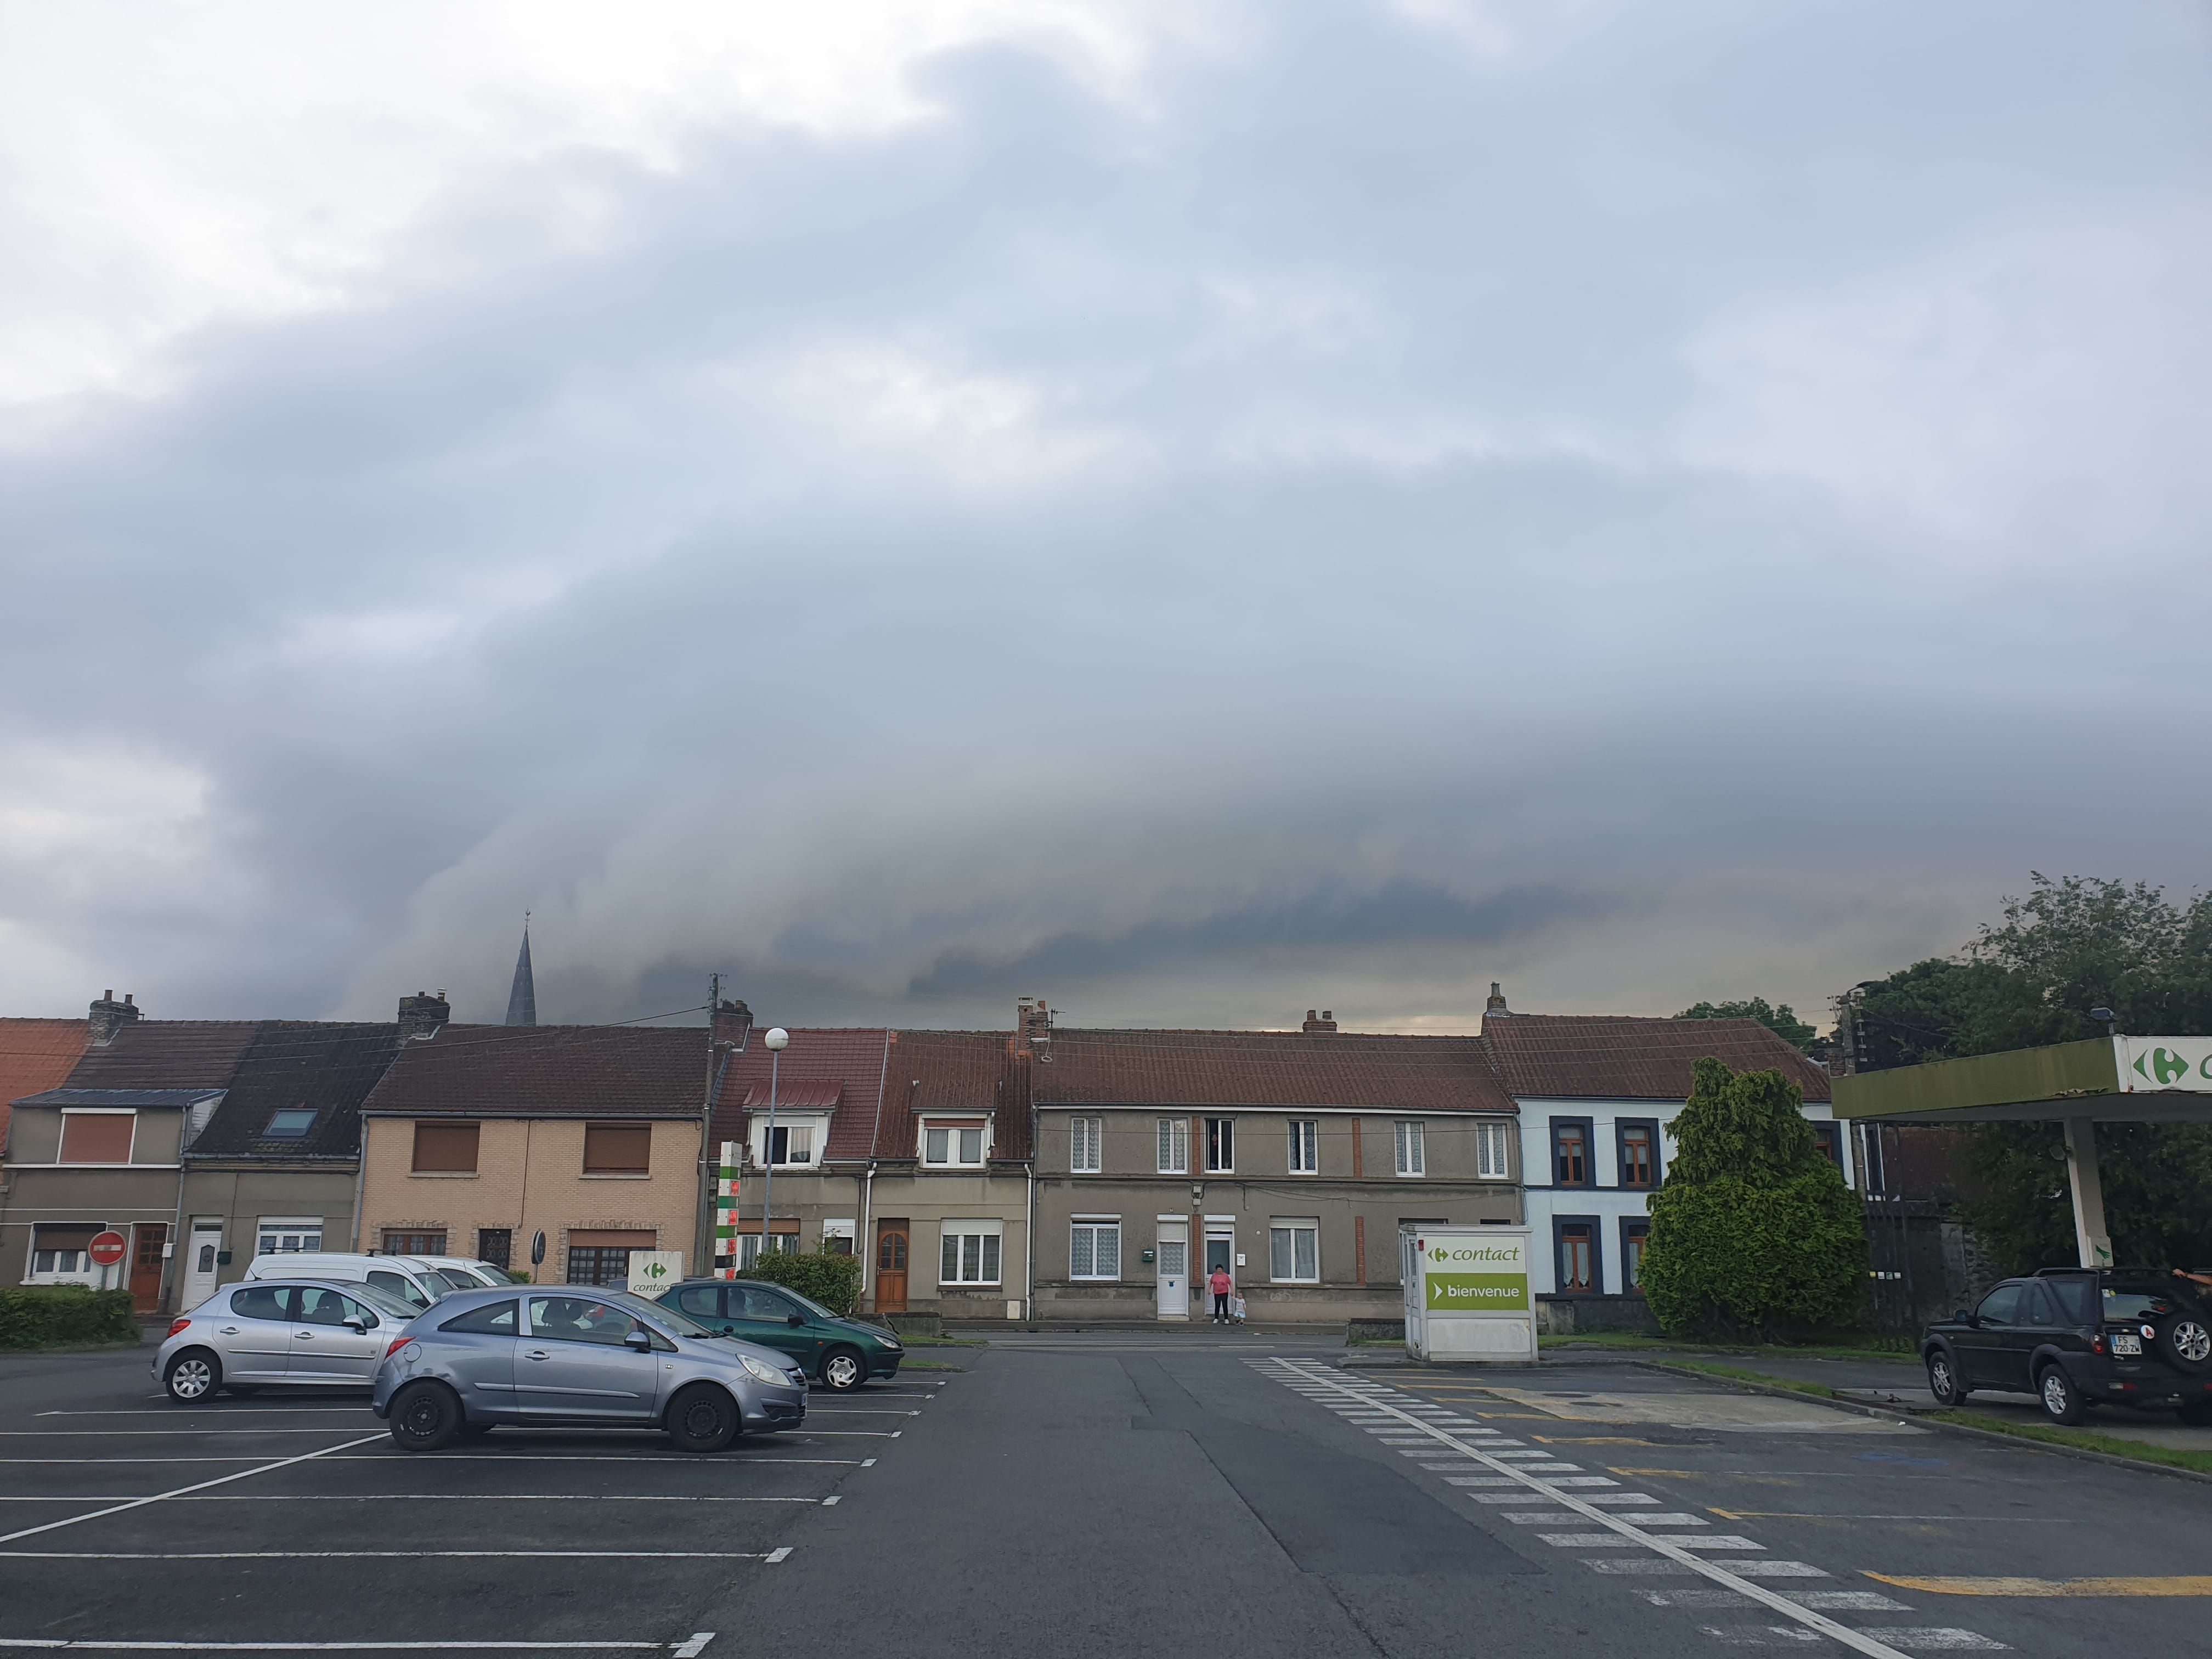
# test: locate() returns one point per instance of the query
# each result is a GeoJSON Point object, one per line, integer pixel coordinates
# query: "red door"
{"type": "Point", "coordinates": [891, 1266]}
{"type": "Point", "coordinates": [146, 1266]}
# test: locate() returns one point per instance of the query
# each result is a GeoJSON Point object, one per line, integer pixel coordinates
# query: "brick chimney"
{"type": "Point", "coordinates": [1325, 1021]}
{"type": "Point", "coordinates": [422, 1014]}
{"type": "Point", "coordinates": [1033, 1028]}
{"type": "Point", "coordinates": [1496, 1003]}
{"type": "Point", "coordinates": [732, 1023]}
{"type": "Point", "coordinates": [109, 1017]}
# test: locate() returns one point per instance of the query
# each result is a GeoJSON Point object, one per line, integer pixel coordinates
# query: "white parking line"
{"type": "Point", "coordinates": [387, 1555]}
{"type": "Point", "coordinates": [220, 1481]}
{"type": "Point", "coordinates": [110, 1434]}
{"type": "Point", "coordinates": [394, 1455]}
{"type": "Point", "coordinates": [1668, 1549]}
{"type": "Point", "coordinates": [156, 1410]}
{"type": "Point", "coordinates": [87, 1645]}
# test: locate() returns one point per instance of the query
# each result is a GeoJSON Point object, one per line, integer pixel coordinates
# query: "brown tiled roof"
{"type": "Point", "coordinates": [836, 1066]}
{"type": "Point", "coordinates": [956, 1071]}
{"type": "Point", "coordinates": [1616, 1057]}
{"type": "Point", "coordinates": [36, 1055]}
{"type": "Point", "coordinates": [328, 1068]}
{"type": "Point", "coordinates": [1268, 1068]}
{"type": "Point", "coordinates": [547, 1071]}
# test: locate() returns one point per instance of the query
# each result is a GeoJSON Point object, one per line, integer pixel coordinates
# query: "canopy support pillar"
{"type": "Point", "coordinates": [2091, 1241]}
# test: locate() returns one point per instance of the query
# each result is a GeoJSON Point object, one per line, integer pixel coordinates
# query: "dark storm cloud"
{"type": "Point", "coordinates": [1370, 516]}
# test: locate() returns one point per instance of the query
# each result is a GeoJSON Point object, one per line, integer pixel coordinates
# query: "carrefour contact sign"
{"type": "Point", "coordinates": [1478, 1292]}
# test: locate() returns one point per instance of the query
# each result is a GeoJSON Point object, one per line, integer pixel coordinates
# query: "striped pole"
{"type": "Point", "coordinates": [728, 1179]}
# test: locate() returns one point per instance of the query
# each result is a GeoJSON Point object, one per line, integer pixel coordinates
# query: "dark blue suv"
{"type": "Point", "coordinates": [2077, 1337]}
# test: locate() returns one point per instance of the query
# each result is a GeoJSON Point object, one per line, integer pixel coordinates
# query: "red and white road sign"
{"type": "Point", "coordinates": [108, 1249]}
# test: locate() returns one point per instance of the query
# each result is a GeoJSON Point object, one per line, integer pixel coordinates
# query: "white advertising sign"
{"type": "Point", "coordinates": [2149, 1063]}
{"type": "Point", "coordinates": [1466, 1293]}
{"type": "Point", "coordinates": [652, 1272]}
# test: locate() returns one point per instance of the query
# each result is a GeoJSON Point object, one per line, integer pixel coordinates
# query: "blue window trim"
{"type": "Point", "coordinates": [1589, 1126]}
{"type": "Point", "coordinates": [1620, 1162]}
{"type": "Point", "coordinates": [1560, 1225]}
{"type": "Point", "coordinates": [1632, 1226]}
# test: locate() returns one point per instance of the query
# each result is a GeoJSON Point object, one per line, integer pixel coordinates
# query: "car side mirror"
{"type": "Point", "coordinates": [796, 1319]}
{"type": "Point", "coordinates": [641, 1340]}
{"type": "Point", "coordinates": [1966, 1318]}
{"type": "Point", "coordinates": [355, 1323]}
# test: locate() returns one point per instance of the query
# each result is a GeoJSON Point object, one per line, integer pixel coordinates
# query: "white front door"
{"type": "Point", "coordinates": [1174, 1274]}
{"type": "Point", "coordinates": [205, 1243]}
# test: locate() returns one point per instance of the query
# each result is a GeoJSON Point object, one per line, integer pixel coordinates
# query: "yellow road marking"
{"type": "Point", "coordinates": [2190, 1584]}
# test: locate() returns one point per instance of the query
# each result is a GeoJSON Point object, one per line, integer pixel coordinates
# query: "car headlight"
{"type": "Point", "coordinates": [765, 1372]}
{"type": "Point", "coordinates": [888, 1344]}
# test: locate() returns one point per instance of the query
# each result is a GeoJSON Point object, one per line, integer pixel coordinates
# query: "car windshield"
{"type": "Point", "coordinates": [809, 1303]}
{"type": "Point", "coordinates": [383, 1301]}
{"type": "Point", "coordinates": [662, 1314]}
{"type": "Point", "coordinates": [446, 1283]}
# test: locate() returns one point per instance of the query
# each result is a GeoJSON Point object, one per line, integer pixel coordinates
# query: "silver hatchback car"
{"type": "Point", "coordinates": [301, 1333]}
{"type": "Point", "coordinates": [570, 1355]}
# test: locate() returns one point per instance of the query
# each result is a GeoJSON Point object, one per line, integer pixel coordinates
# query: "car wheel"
{"type": "Point", "coordinates": [844, 1371]}
{"type": "Point", "coordinates": [702, 1418]}
{"type": "Point", "coordinates": [193, 1375]}
{"type": "Point", "coordinates": [2062, 1400]}
{"type": "Point", "coordinates": [2186, 1342]}
{"type": "Point", "coordinates": [1943, 1380]}
{"type": "Point", "coordinates": [425, 1416]}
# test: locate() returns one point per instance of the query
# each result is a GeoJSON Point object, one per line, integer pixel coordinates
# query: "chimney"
{"type": "Point", "coordinates": [1033, 1027]}
{"type": "Point", "coordinates": [1496, 1003]}
{"type": "Point", "coordinates": [422, 1014]}
{"type": "Point", "coordinates": [732, 1023]}
{"type": "Point", "coordinates": [108, 1017]}
{"type": "Point", "coordinates": [1325, 1021]}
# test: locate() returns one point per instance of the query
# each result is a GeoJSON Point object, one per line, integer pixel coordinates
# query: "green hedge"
{"type": "Point", "coordinates": [831, 1279]}
{"type": "Point", "coordinates": [65, 1316]}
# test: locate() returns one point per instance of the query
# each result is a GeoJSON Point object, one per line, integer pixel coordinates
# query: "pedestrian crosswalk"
{"type": "Point", "coordinates": [1629, 1534]}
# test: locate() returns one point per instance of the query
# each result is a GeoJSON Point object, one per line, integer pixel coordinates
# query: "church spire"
{"type": "Point", "coordinates": [522, 999]}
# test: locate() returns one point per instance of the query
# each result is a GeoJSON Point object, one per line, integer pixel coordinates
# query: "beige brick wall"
{"type": "Point", "coordinates": [529, 1176]}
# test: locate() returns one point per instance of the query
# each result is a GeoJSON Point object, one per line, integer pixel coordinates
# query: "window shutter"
{"type": "Point", "coordinates": [611, 1148]}
{"type": "Point", "coordinates": [446, 1148]}
{"type": "Point", "coordinates": [96, 1137]}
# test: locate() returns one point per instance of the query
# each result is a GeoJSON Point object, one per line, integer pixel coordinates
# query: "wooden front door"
{"type": "Point", "coordinates": [891, 1266]}
{"type": "Point", "coordinates": [146, 1266]}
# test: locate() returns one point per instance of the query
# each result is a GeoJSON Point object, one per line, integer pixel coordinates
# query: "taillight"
{"type": "Point", "coordinates": [176, 1325]}
{"type": "Point", "coordinates": [397, 1344]}
{"type": "Point", "coordinates": [2097, 1342]}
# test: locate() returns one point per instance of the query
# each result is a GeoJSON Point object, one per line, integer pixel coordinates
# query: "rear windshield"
{"type": "Point", "coordinates": [2133, 1305]}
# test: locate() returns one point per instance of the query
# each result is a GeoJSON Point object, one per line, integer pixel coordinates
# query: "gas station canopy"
{"type": "Point", "coordinates": [2116, 1080]}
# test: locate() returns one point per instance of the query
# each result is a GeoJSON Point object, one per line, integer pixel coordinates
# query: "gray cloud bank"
{"type": "Point", "coordinates": [1643, 511]}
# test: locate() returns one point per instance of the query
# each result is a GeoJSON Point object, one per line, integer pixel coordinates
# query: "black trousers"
{"type": "Point", "coordinates": [1221, 1304]}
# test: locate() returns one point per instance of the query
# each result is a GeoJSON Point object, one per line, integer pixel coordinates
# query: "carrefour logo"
{"type": "Point", "coordinates": [1477, 1253]}
{"type": "Point", "coordinates": [2165, 1067]}
{"type": "Point", "coordinates": [655, 1270]}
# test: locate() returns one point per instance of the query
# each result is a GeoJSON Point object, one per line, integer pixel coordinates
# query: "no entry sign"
{"type": "Point", "coordinates": [108, 1248]}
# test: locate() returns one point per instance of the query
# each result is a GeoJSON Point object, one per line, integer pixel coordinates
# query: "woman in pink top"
{"type": "Point", "coordinates": [1221, 1285]}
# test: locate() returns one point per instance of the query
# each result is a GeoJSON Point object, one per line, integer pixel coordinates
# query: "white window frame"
{"type": "Point", "coordinates": [815, 1125]}
{"type": "Point", "coordinates": [277, 1226]}
{"type": "Point", "coordinates": [1410, 1143]}
{"type": "Point", "coordinates": [1305, 1146]}
{"type": "Point", "coordinates": [1220, 1133]}
{"type": "Point", "coordinates": [988, 1237]}
{"type": "Point", "coordinates": [1086, 1138]}
{"type": "Point", "coordinates": [1172, 1150]}
{"type": "Point", "coordinates": [1099, 1227]}
{"type": "Point", "coordinates": [1290, 1229]}
{"type": "Point", "coordinates": [61, 1143]}
{"type": "Point", "coordinates": [1493, 1157]}
{"type": "Point", "coordinates": [84, 1273]}
{"type": "Point", "coordinates": [955, 1130]}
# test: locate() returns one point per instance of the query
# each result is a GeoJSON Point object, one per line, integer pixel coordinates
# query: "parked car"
{"type": "Point", "coordinates": [843, 1353]}
{"type": "Point", "coordinates": [464, 1272]}
{"type": "Point", "coordinates": [2077, 1337]}
{"type": "Point", "coordinates": [300, 1333]}
{"type": "Point", "coordinates": [571, 1354]}
{"type": "Point", "coordinates": [397, 1275]}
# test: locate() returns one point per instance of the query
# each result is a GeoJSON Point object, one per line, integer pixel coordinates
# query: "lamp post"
{"type": "Point", "coordinates": [777, 1041]}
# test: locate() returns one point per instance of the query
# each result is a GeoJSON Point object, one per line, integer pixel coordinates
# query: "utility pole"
{"type": "Point", "coordinates": [702, 1260]}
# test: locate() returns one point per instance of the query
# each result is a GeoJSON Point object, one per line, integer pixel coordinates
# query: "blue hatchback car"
{"type": "Point", "coordinates": [576, 1356]}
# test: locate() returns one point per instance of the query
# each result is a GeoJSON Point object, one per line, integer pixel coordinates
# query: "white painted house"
{"type": "Point", "coordinates": [1597, 1095]}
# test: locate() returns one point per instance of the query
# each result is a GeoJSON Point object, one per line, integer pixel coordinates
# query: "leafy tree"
{"type": "Point", "coordinates": [1753, 1231]}
{"type": "Point", "coordinates": [1783, 1021]}
{"type": "Point", "coordinates": [832, 1279]}
{"type": "Point", "coordinates": [2070, 945]}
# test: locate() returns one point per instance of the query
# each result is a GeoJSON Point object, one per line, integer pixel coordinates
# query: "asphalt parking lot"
{"type": "Point", "coordinates": [129, 1523]}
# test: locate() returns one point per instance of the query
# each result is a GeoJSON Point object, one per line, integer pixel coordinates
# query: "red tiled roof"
{"type": "Point", "coordinates": [1268, 1068]}
{"type": "Point", "coordinates": [547, 1071]}
{"type": "Point", "coordinates": [838, 1067]}
{"type": "Point", "coordinates": [1617, 1057]}
{"type": "Point", "coordinates": [36, 1055]}
{"type": "Point", "coordinates": [956, 1071]}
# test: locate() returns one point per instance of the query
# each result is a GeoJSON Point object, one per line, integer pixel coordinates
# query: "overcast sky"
{"type": "Point", "coordinates": [1195, 512]}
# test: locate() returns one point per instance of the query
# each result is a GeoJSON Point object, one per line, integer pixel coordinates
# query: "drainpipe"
{"type": "Point", "coordinates": [360, 1171]}
{"type": "Point", "coordinates": [1029, 1242]}
{"type": "Point", "coordinates": [861, 1245]}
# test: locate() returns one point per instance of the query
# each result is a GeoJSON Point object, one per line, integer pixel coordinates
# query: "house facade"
{"type": "Point", "coordinates": [1292, 1160]}
{"type": "Point", "coordinates": [477, 1139]}
{"type": "Point", "coordinates": [1597, 1097]}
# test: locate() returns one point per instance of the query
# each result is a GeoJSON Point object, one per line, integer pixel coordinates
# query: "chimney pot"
{"type": "Point", "coordinates": [1326, 1021]}
{"type": "Point", "coordinates": [423, 1015]}
{"type": "Point", "coordinates": [106, 1016]}
{"type": "Point", "coordinates": [1495, 1004]}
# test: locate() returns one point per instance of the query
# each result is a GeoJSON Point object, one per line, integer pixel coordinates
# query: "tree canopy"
{"type": "Point", "coordinates": [1781, 1021]}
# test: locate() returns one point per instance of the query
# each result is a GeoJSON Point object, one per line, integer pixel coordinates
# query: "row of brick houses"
{"type": "Point", "coordinates": [1039, 1174]}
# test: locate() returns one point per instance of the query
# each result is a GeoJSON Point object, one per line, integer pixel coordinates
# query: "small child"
{"type": "Point", "coordinates": [1237, 1308]}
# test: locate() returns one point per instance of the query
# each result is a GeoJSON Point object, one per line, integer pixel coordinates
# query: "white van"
{"type": "Point", "coordinates": [466, 1273]}
{"type": "Point", "coordinates": [399, 1275]}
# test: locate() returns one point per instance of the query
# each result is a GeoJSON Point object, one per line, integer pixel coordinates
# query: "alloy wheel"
{"type": "Point", "coordinates": [2192, 1341]}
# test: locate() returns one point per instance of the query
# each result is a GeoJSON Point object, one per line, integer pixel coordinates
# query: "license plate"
{"type": "Point", "coordinates": [2127, 1345]}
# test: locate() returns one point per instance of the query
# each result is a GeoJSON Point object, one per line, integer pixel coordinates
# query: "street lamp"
{"type": "Point", "coordinates": [777, 1041]}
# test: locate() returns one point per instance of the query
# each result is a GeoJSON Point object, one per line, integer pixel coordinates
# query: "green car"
{"type": "Point", "coordinates": [842, 1353]}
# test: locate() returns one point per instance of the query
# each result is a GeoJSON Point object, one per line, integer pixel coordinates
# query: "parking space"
{"type": "Point", "coordinates": [129, 1522]}
{"type": "Point", "coordinates": [1762, 1522]}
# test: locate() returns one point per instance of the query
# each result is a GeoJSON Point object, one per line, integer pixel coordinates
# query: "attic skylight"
{"type": "Point", "coordinates": [292, 1123]}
